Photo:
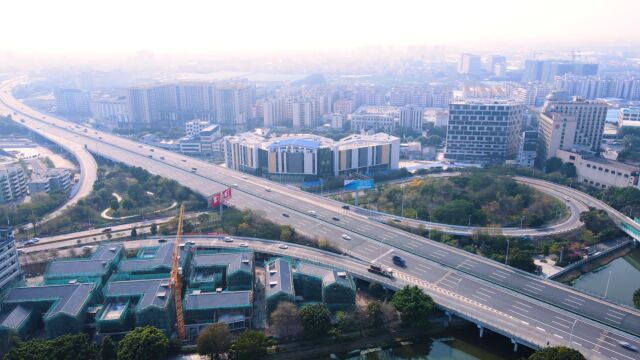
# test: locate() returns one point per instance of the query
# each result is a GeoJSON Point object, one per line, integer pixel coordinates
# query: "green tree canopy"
{"type": "Point", "coordinates": [316, 320]}
{"type": "Point", "coordinates": [557, 353]}
{"type": "Point", "coordinates": [413, 305]}
{"type": "Point", "coordinates": [214, 340]}
{"type": "Point", "coordinates": [66, 347]}
{"type": "Point", "coordinates": [108, 350]}
{"type": "Point", "coordinates": [286, 321]}
{"type": "Point", "coordinates": [636, 298]}
{"type": "Point", "coordinates": [143, 343]}
{"type": "Point", "coordinates": [250, 345]}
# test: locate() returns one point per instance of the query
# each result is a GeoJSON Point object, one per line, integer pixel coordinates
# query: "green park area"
{"type": "Point", "coordinates": [477, 198]}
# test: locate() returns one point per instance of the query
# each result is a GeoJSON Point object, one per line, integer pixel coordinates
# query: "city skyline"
{"type": "Point", "coordinates": [76, 28]}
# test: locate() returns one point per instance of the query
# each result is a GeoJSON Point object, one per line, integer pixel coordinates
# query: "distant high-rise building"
{"type": "Point", "coordinates": [411, 117]}
{"type": "Point", "coordinates": [469, 64]}
{"type": "Point", "coordinates": [110, 111]}
{"type": "Point", "coordinates": [233, 104]}
{"type": "Point", "coordinates": [72, 101]}
{"type": "Point", "coordinates": [547, 70]}
{"type": "Point", "coordinates": [483, 131]}
{"type": "Point", "coordinates": [273, 112]}
{"type": "Point", "coordinates": [304, 114]}
{"type": "Point", "coordinates": [494, 61]}
{"type": "Point", "coordinates": [532, 70]}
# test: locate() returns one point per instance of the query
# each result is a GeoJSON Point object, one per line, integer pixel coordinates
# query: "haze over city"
{"type": "Point", "coordinates": [279, 180]}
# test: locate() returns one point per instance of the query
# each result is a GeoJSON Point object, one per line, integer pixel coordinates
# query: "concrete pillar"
{"type": "Point", "coordinates": [448, 319]}
{"type": "Point", "coordinates": [515, 345]}
{"type": "Point", "coordinates": [481, 329]}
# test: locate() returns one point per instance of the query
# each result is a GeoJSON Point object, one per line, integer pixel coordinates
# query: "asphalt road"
{"type": "Point", "coordinates": [435, 266]}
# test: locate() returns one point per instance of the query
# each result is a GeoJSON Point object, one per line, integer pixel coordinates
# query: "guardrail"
{"type": "Point", "coordinates": [589, 259]}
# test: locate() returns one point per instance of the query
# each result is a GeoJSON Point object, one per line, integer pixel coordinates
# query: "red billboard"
{"type": "Point", "coordinates": [226, 194]}
{"type": "Point", "coordinates": [215, 200]}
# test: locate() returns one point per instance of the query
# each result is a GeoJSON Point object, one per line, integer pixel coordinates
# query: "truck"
{"type": "Point", "coordinates": [377, 269]}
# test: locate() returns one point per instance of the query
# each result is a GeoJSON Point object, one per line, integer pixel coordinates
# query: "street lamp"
{"type": "Point", "coordinates": [506, 258]}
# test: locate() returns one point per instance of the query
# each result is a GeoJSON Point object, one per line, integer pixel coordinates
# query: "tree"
{"type": "Point", "coordinates": [374, 314]}
{"type": "Point", "coordinates": [346, 321]}
{"type": "Point", "coordinates": [66, 347]}
{"type": "Point", "coordinates": [522, 260]}
{"type": "Point", "coordinates": [286, 233]}
{"type": "Point", "coordinates": [115, 205]}
{"type": "Point", "coordinates": [636, 298]}
{"type": "Point", "coordinates": [250, 345]}
{"type": "Point", "coordinates": [108, 349]}
{"type": "Point", "coordinates": [553, 164]}
{"type": "Point", "coordinates": [153, 229]}
{"type": "Point", "coordinates": [134, 233]}
{"type": "Point", "coordinates": [557, 353]}
{"type": "Point", "coordinates": [414, 306]}
{"type": "Point", "coordinates": [286, 321]}
{"type": "Point", "coordinates": [214, 340]}
{"type": "Point", "coordinates": [569, 170]}
{"type": "Point", "coordinates": [143, 343]}
{"type": "Point", "coordinates": [315, 320]}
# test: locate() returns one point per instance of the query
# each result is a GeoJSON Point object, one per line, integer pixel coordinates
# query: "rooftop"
{"type": "Point", "coordinates": [217, 300]}
{"type": "Point", "coordinates": [159, 259]}
{"type": "Point", "coordinates": [97, 264]}
{"type": "Point", "coordinates": [151, 292]}
{"type": "Point", "coordinates": [279, 277]}
{"type": "Point", "coordinates": [68, 298]}
{"type": "Point", "coordinates": [15, 317]}
{"type": "Point", "coordinates": [328, 276]}
{"type": "Point", "coordinates": [233, 261]}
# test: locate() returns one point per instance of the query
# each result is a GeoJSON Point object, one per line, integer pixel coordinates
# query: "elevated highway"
{"type": "Point", "coordinates": [440, 269]}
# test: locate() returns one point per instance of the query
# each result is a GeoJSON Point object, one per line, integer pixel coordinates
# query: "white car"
{"type": "Point", "coordinates": [267, 189]}
{"type": "Point", "coordinates": [346, 237]}
{"type": "Point", "coordinates": [312, 213]}
{"type": "Point", "coordinates": [244, 245]}
{"type": "Point", "coordinates": [228, 239]}
{"type": "Point", "coordinates": [283, 246]}
{"type": "Point", "coordinates": [234, 185]}
{"type": "Point", "coordinates": [244, 176]}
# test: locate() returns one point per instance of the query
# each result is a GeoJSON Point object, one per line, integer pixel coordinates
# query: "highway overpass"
{"type": "Point", "coordinates": [440, 269]}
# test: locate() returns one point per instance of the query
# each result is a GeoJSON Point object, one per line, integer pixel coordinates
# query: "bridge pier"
{"type": "Point", "coordinates": [515, 345]}
{"type": "Point", "coordinates": [481, 329]}
{"type": "Point", "coordinates": [448, 319]}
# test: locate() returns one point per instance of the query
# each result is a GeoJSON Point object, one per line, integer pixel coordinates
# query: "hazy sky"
{"type": "Point", "coordinates": [125, 26]}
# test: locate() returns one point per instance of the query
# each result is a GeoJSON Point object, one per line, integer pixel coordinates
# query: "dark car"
{"type": "Point", "coordinates": [398, 260]}
{"type": "Point", "coordinates": [335, 219]}
{"type": "Point", "coordinates": [346, 207]}
{"type": "Point", "coordinates": [285, 214]}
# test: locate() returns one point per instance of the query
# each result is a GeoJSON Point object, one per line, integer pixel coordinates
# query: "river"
{"type": "Point", "coordinates": [462, 344]}
{"type": "Point", "coordinates": [615, 281]}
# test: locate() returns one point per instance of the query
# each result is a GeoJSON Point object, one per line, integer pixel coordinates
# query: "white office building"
{"type": "Point", "coordinates": [629, 117]}
{"type": "Point", "coordinates": [411, 117]}
{"type": "Point", "coordinates": [484, 131]}
{"type": "Point", "coordinates": [304, 114]}
{"type": "Point", "coordinates": [193, 127]}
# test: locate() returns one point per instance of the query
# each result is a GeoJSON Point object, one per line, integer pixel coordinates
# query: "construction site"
{"type": "Point", "coordinates": [175, 286]}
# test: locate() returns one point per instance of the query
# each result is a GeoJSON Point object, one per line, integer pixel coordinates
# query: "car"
{"type": "Point", "coordinates": [100, 137]}
{"type": "Point", "coordinates": [244, 176]}
{"type": "Point", "coordinates": [184, 160]}
{"type": "Point", "coordinates": [346, 207]}
{"type": "Point", "coordinates": [398, 260]}
{"type": "Point", "coordinates": [346, 237]}
{"type": "Point", "coordinates": [150, 156]}
{"type": "Point", "coordinates": [566, 198]}
{"type": "Point", "coordinates": [194, 169]}
{"type": "Point", "coordinates": [267, 189]}
{"type": "Point", "coordinates": [312, 213]}
{"type": "Point", "coordinates": [35, 240]}
{"type": "Point", "coordinates": [244, 245]}
{"type": "Point", "coordinates": [161, 157]}
{"type": "Point", "coordinates": [396, 219]}
{"type": "Point", "coordinates": [140, 146]}
{"type": "Point", "coordinates": [106, 230]}
{"type": "Point", "coordinates": [628, 346]}
{"type": "Point", "coordinates": [191, 242]}
{"type": "Point", "coordinates": [285, 215]}
{"type": "Point", "coordinates": [20, 251]}
{"type": "Point", "coordinates": [162, 240]}
{"type": "Point", "coordinates": [152, 150]}
{"type": "Point", "coordinates": [228, 239]}
{"type": "Point", "coordinates": [234, 185]}
{"type": "Point", "coordinates": [283, 246]}
{"type": "Point", "coordinates": [335, 219]}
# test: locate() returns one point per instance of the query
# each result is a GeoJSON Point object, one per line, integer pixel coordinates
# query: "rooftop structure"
{"type": "Point", "coordinates": [202, 309]}
{"type": "Point", "coordinates": [151, 260]}
{"type": "Point", "coordinates": [99, 265]}
{"type": "Point", "coordinates": [231, 271]}
{"type": "Point", "coordinates": [279, 283]}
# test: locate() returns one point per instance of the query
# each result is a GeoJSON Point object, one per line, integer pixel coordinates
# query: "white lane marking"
{"type": "Point", "coordinates": [383, 255]}
{"type": "Point", "coordinates": [541, 329]}
{"type": "Point", "coordinates": [617, 312]}
{"type": "Point", "coordinates": [410, 245]}
{"type": "Point", "coordinates": [556, 335]}
{"type": "Point", "coordinates": [479, 297]}
{"type": "Point", "coordinates": [614, 316]}
{"type": "Point", "coordinates": [577, 343]}
{"type": "Point", "coordinates": [559, 324]}
{"type": "Point", "coordinates": [519, 308]}
{"type": "Point", "coordinates": [523, 304]}
{"type": "Point", "coordinates": [563, 319]}
{"type": "Point", "coordinates": [612, 319]}
{"type": "Point", "coordinates": [488, 291]}
{"type": "Point", "coordinates": [576, 298]}
{"type": "Point", "coordinates": [422, 266]}
{"type": "Point", "coordinates": [575, 302]}
{"type": "Point", "coordinates": [570, 305]}
{"type": "Point", "coordinates": [496, 278]}
{"type": "Point", "coordinates": [534, 286]}
{"type": "Point", "coordinates": [496, 274]}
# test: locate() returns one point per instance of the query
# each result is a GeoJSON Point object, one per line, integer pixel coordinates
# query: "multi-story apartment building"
{"type": "Point", "coordinates": [233, 104]}
{"type": "Point", "coordinates": [72, 101]}
{"type": "Point", "coordinates": [13, 183]}
{"type": "Point", "coordinates": [483, 131]}
{"type": "Point", "coordinates": [376, 118]}
{"type": "Point", "coordinates": [528, 149]}
{"type": "Point", "coordinates": [629, 117]}
{"type": "Point", "coordinates": [273, 112]}
{"type": "Point", "coordinates": [193, 127]}
{"type": "Point", "coordinates": [9, 261]}
{"type": "Point", "coordinates": [547, 70]}
{"type": "Point", "coordinates": [110, 111]}
{"type": "Point", "coordinates": [411, 117]}
{"type": "Point", "coordinates": [590, 118]}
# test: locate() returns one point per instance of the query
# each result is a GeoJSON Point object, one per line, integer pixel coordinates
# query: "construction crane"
{"type": "Point", "coordinates": [176, 277]}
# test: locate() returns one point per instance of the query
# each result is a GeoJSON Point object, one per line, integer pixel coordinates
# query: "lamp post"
{"type": "Point", "coordinates": [506, 258]}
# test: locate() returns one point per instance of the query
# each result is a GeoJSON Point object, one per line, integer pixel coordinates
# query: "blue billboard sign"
{"type": "Point", "coordinates": [356, 185]}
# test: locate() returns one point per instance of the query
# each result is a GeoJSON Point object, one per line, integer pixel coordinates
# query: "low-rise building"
{"type": "Point", "coordinates": [600, 172]}
{"type": "Point", "coordinates": [629, 117]}
{"type": "Point", "coordinates": [305, 156]}
{"type": "Point", "coordinates": [375, 118]}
